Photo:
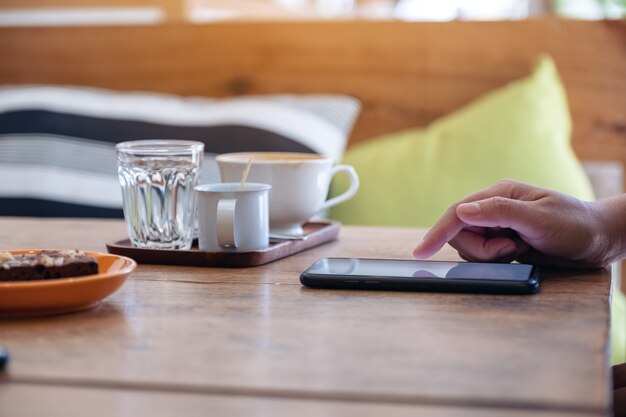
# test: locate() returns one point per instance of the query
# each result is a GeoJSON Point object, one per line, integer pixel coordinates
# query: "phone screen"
{"type": "Point", "coordinates": [421, 269]}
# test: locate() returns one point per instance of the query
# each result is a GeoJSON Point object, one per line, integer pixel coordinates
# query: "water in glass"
{"type": "Point", "coordinates": [159, 199]}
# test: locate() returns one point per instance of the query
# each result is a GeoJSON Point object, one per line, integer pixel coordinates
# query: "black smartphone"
{"type": "Point", "coordinates": [414, 275]}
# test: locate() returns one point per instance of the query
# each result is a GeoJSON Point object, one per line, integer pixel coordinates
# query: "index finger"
{"type": "Point", "coordinates": [449, 225]}
{"type": "Point", "coordinates": [446, 228]}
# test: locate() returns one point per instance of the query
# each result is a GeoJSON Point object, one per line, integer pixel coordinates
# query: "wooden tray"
{"type": "Point", "coordinates": [315, 234]}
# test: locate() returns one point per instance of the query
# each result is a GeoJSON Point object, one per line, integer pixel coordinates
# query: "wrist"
{"type": "Point", "coordinates": [611, 216]}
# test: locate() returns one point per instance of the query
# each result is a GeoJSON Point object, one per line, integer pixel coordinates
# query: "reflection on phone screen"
{"type": "Point", "coordinates": [422, 269]}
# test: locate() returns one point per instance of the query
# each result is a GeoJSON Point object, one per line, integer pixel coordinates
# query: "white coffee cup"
{"type": "Point", "coordinates": [299, 183]}
{"type": "Point", "coordinates": [233, 219]}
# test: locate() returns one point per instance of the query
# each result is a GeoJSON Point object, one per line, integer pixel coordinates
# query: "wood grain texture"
{"type": "Point", "coordinates": [405, 74]}
{"type": "Point", "coordinates": [62, 401]}
{"type": "Point", "coordinates": [257, 332]}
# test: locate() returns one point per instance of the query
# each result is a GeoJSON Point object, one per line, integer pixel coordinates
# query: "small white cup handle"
{"type": "Point", "coordinates": [226, 223]}
{"type": "Point", "coordinates": [350, 192]}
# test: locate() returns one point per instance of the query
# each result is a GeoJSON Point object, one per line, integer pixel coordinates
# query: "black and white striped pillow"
{"type": "Point", "coordinates": [57, 153]}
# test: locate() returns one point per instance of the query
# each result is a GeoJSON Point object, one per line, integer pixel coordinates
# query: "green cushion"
{"type": "Point", "coordinates": [520, 131]}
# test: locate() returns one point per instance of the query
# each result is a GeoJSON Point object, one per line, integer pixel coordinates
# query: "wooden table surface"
{"type": "Point", "coordinates": [212, 341]}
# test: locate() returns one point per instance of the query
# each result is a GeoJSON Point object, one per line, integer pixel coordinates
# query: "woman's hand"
{"type": "Point", "coordinates": [515, 221]}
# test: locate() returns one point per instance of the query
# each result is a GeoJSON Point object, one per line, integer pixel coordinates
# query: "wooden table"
{"type": "Point", "coordinates": [183, 341]}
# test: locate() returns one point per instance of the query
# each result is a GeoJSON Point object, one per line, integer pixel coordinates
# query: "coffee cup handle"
{"type": "Point", "coordinates": [226, 223]}
{"type": "Point", "coordinates": [350, 192]}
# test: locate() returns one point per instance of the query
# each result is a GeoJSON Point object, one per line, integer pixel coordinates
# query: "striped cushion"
{"type": "Point", "coordinates": [57, 153]}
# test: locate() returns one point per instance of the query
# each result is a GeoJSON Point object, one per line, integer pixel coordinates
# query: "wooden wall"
{"type": "Point", "coordinates": [405, 74]}
{"type": "Point", "coordinates": [173, 10]}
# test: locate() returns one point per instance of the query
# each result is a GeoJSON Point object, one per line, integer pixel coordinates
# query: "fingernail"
{"type": "Point", "coordinates": [470, 209]}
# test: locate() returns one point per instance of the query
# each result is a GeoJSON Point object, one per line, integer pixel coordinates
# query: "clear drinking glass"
{"type": "Point", "coordinates": [157, 178]}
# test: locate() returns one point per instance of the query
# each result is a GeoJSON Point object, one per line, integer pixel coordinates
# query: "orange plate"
{"type": "Point", "coordinates": [64, 295]}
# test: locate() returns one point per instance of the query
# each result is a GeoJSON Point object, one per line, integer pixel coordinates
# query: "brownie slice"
{"type": "Point", "coordinates": [46, 265]}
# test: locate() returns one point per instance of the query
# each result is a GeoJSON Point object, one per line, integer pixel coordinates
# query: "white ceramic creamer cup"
{"type": "Point", "coordinates": [299, 181]}
{"type": "Point", "coordinates": [233, 219]}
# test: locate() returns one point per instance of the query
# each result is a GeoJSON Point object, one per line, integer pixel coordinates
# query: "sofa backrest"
{"type": "Point", "coordinates": [405, 74]}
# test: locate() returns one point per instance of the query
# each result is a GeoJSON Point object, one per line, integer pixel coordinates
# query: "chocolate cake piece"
{"type": "Point", "coordinates": [46, 265]}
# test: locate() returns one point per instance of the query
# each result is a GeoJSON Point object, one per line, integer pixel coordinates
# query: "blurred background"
{"type": "Point", "coordinates": [106, 12]}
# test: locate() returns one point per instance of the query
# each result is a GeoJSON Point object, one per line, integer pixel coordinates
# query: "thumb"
{"type": "Point", "coordinates": [502, 212]}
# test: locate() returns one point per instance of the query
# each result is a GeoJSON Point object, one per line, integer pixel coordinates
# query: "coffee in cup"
{"type": "Point", "coordinates": [299, 181]}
